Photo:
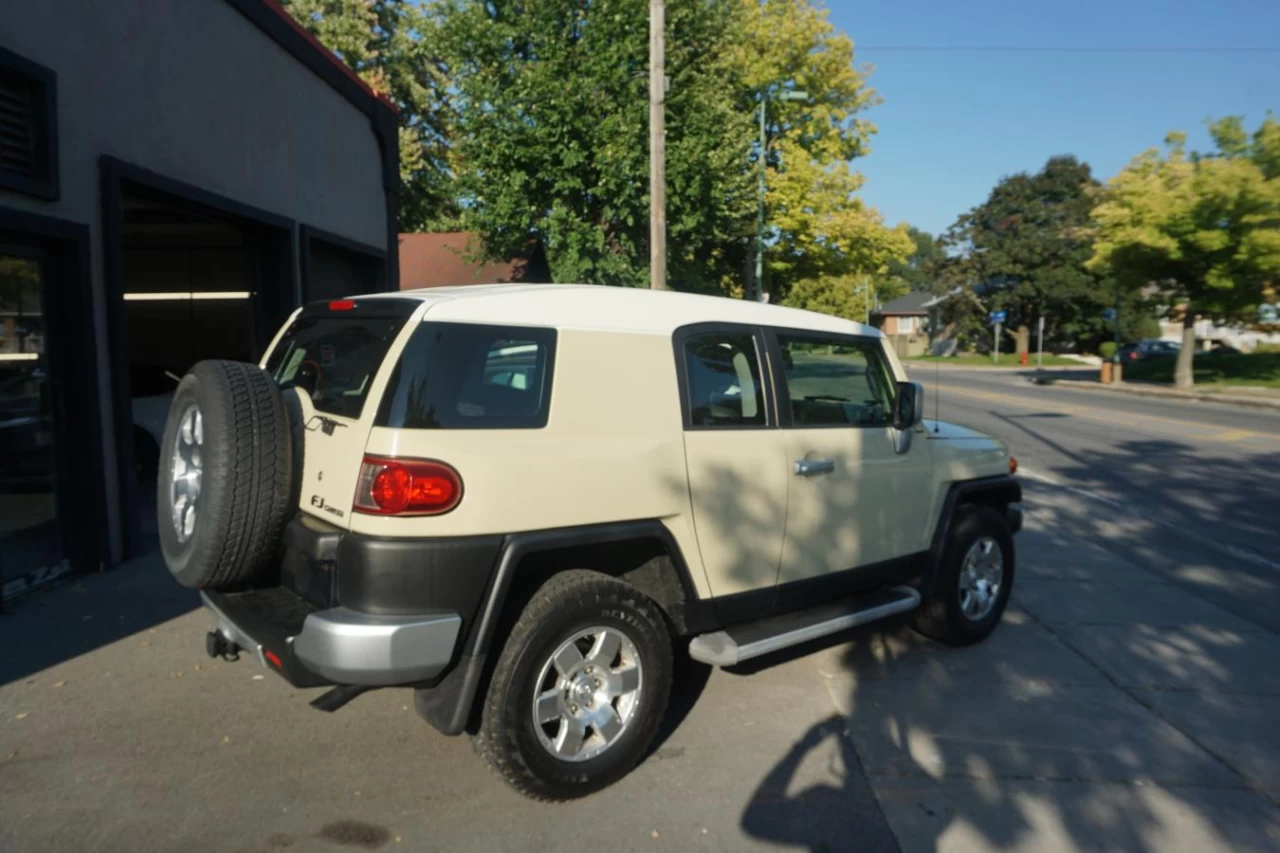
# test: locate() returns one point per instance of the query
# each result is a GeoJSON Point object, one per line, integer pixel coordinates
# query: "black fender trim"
{"type": "Point", "coordinates": [447, 705]}
{"type": "Point", "coordinates": [1003, 489]}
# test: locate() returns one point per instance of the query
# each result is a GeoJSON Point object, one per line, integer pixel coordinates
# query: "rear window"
{"type": "Point", "coordinates": [333, 358]}
{"type": "Point", "coordinates": [471, 376]}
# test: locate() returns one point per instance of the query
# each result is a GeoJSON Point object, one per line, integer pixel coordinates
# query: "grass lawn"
{"type": "Point", "coordinates": [1215, 369]}
{"type": "Point", "coordinates": [1006, 360]}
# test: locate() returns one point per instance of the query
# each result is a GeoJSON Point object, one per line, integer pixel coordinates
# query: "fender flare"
{"type": "Point", "coordinates": [447, 706]}
{"type": "Point", "coordinates": [1000, 490]}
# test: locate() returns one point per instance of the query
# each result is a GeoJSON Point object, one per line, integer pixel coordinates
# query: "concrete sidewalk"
{"type": "Point", "coordinates": [1262, 398]}
{"type": "Point", "coordinates": [1112, 710]}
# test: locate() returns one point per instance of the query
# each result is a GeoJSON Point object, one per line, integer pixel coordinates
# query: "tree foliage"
{"type": "Point", "coordinates": [1024, 251]}
{"type": "Point", "coordinates": [389, 44]}
{"type": "Point", "coordinates": [921, 269]}
{"type": "Point", "coordinates": [852, 296]}
{"type": "Point", "coordinates": [817, 225]}
{"type": "Point", "coordinates": [552, 135]}
{"type": "Point", "coordinates": [1203, 227]}
{"type": "Point", "coordinates": [523, 119]}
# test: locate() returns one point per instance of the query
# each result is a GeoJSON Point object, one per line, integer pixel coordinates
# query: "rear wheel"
{"type": "Point", "coordinates": [579, 689]}
{"type": "Point", "coordinates": [225, 473]}
{"type": "Point", "coordinates": [975, 577]}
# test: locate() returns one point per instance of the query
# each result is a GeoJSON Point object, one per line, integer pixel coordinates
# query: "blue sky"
{"type": "Point", "coordinates": [952, 123]}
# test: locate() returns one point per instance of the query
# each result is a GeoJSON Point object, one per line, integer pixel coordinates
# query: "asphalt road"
{"type": "Point", "coordinates": [1186, 489]}
{"type": "Point", "coordinates": [1115, 708]}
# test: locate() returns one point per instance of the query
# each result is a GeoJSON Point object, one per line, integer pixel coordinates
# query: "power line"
{"type": "Point", "coordinates": [1066, 49]}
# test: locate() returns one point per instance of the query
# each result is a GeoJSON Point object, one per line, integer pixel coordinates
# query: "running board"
{"type": "Point", "coordinates": [753, 639]}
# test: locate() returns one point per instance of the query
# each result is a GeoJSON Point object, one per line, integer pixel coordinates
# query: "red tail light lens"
{"type": "Point", "coordinates": [342, 305]}
{"type": "Point", "coordinates": [406, 487]}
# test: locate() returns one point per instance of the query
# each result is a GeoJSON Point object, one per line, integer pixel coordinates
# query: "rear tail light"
{"type": "Point", "coordinates": [406, 487]}
{"type": "Point", "coordinates": [342, 305]}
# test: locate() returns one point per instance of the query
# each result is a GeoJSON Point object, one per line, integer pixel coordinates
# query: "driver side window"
{"type": "Point", "coordinates": [836, 381]}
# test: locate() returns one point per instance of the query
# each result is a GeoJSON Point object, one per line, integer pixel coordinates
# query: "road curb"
{"type": "Point", "coordinates": [1162, 393]}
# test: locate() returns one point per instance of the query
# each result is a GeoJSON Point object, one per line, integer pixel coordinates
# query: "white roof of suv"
{"type": "Point", "coordinates": [624, 309]}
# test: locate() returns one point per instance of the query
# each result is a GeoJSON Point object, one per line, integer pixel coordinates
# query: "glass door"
{"type": "Point", "coordinates": [31, 549]}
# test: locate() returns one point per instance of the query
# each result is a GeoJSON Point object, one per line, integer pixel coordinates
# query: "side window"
{"type": "Point", "coordinates": [471, 376]}
{"type": "Point", "coordinates": [836, 382]}
{"type": "Point", "coordinates": [724, 386]}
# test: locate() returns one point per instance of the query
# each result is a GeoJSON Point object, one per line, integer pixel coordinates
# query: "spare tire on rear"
{"type": "Point", "coordinates": [224, 484]}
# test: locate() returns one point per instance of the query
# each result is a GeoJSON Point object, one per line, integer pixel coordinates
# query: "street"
{"type": "Point", "coordinates": [1127, 702]}
{"type": "Point", "coordinates": [1190, 491]}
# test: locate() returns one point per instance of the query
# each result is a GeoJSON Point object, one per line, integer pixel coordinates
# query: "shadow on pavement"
{"type": "Point", "coordinates": [689, 680]}
{"type": "Point", "coordinates": [87, 612]}
{"type": "Point", "coordinates": [818, 817]}
{"type": "Point", "coordinates": [1206, 519]}
{"type": "Point", "coordinates": [1111, 710]}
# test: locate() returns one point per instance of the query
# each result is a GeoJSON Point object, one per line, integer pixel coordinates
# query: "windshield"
{"type": "Point", "coordinates": [333, 359]}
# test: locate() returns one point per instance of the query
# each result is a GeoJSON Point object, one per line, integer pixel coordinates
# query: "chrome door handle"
{"type": "Point", "coordinates": [809, 467]}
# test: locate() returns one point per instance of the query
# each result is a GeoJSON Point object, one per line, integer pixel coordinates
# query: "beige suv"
{"type": "Point", "coordinates": [518, 500]}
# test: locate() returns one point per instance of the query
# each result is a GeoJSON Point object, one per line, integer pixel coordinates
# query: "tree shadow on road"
{"type": "Point", "coordinates": [981, 749]}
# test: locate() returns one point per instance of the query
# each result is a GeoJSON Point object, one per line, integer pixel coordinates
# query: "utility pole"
{"type": "Point", "coordinates": [1040, 343]}
{"type": "Point", "coordinates": [657, 147]}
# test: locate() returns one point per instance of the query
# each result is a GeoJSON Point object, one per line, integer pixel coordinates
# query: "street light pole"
{"type": "Point", "coordinates": [757, 290]}
{"type": "Point", "coordinates": [657, 147]}
{"type": "Point", "coordinates": [757, 287]}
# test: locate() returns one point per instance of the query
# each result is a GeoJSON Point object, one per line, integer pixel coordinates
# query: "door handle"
{"type": "Point", "coordinates": [809, 467]}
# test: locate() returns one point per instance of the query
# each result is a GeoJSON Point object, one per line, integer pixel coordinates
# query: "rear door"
{"type": "Point", "coordinates": [845, 506]}
{"type": "Point", "coordinates": [328, 362]}
{"type": "Point", "coordinates": [735, 463]}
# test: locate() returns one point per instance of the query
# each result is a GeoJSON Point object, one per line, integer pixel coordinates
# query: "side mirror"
{"type": "Point", "coordinates": [908, 406]}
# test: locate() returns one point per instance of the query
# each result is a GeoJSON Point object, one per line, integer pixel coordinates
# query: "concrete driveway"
{"type": "Point", "coordinates": [1113, 710]}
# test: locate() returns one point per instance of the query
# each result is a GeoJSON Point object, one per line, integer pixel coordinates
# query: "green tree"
{"type": "Point", "coordinates": [1024, 251]}
{"type": "Point", "coordinates": [552, 135]}
{"type": "Point", "coordinates": [852, 295]}
{"type": "Point", "coordinates": [1202, 227]}
{"type": "Point", "coordinates": [389, 44]}
{"type": "Point", "coordinates": [920, 270]}
{"type": "Point", "coordinates": [818, 228]}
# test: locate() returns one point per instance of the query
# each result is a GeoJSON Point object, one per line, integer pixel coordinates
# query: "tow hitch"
{"type": "Point", "coordinates": [219, 646]}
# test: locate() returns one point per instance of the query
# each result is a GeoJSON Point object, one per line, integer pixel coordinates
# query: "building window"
{"type": "Point", "coordinates": [906, 325]}
{"type": "Point", "coordinates": [28, 127]}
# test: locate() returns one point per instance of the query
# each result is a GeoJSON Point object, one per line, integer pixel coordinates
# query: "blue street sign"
{"type": "Point", "coordinates": [998, 317]}
{"type": "Point", "coordinates": [1108, 314]}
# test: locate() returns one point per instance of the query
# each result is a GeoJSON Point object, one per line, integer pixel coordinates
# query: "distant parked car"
{"type": "Point", "coordinates": [1150, 348]}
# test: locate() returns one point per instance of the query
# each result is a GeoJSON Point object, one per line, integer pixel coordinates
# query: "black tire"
{"type": "Point", "coordinates": [940, 616]}
{"type": "Point", "coordinates": [569, 603]}
{"type": "Point", "coordinates": [246, 458]}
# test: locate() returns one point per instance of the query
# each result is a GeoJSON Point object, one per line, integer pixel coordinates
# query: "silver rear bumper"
{"type": "Point", "coordinates": [349, 647]}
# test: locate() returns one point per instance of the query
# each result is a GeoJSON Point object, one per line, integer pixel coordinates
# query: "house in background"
{"type": "Point", "coordinates": [443, 259]}
{"type": "Point", "coordinates": [905, 321]}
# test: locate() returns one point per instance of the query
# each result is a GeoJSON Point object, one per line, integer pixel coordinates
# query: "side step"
{"type": "Point", "coordinates": [753, 639]}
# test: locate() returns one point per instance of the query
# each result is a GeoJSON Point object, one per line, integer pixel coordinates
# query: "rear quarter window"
{"type": "Point", "coordinates": [471, 376]}
{"type": "Point", "coordinates": [333, 358]}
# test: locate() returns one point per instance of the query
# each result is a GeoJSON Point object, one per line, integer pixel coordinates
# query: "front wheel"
{"type": "Point", "coordinates": [973, 582]}
{"type": "Point", "coordinates": [580, 688]}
